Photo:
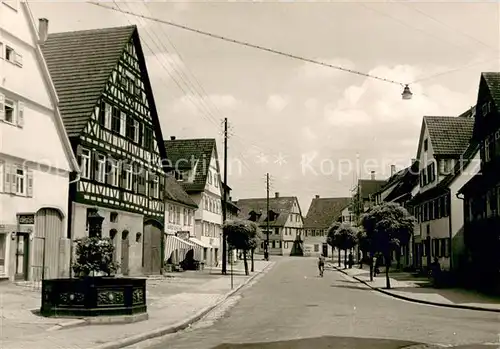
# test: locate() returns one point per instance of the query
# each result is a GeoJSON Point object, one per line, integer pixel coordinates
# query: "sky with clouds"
{"type": "Point", "coordinates": [313, 128]}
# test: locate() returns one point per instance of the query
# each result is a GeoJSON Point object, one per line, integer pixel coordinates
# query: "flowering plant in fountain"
{"type": "Point", "coordinates": [94, 257]}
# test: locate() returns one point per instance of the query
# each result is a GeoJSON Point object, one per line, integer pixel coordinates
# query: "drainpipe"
{"type": "Point", "coordinates": [460, 197]}
{"type": "Point", "coordinates": [450, 227]}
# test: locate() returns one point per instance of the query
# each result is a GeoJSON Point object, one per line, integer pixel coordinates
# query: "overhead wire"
{"type": "Point", "coordinates": [190, 95]}
{"type": "Point", "coordinates": [258, 47]}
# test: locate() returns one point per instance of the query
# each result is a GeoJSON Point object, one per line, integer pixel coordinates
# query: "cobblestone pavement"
{"type": "Point", "coordinates": [291, 302]}
{"type": "Point", "coordinates": [170, 300]}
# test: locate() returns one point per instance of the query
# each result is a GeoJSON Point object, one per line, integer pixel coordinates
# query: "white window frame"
{"type": "Point", "coordinates": [136, 131]}
{"type": "Point", "coordinates": [1, 50]}
{"type": "Point", "coordinates": [85, 163]}
{"type": "Point", "coordinates": [209, 177]}
{"type": "Point", "coordinates": [156, 186]}
{"type": "Point", "coordinates": [21, 180]}
{"type": "Point", "coordinates": [123, 123]}
{"type": "Point", "coordinates": [129, 178]}
{"type": "Point", "coordinates": [11, 103]}
{"type": "Point", "coordinates": [12, 58]}
{"type": "Point", "coordinates": [108, 115]}
{"type": "Point", "coordinates": [115, 173]}
{"type": "Point", "coordinates": [101, 169]}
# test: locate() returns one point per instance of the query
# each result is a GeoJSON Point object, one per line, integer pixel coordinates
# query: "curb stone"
{"type": "Point", "coordinates": [421, 301]}
{"type": "Point", "coordinates": [181, 325]}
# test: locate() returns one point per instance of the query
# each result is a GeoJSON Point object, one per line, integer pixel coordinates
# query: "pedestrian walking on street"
{"type": "Point", "coordinates": [321, 264]}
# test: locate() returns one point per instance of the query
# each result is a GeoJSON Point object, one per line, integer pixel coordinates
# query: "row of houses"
{"type": "Point", "coordinates": [451, 188]}
{"type": "Point", "coordinates": [80, 136]}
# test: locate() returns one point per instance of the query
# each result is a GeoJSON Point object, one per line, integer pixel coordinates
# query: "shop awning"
{"type": "Point", "coordinates": [199, 243]}
{"type": "Point", "coordinates": [176, 248]}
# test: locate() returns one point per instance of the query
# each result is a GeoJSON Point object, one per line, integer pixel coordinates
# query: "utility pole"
{"type": "Point", "coordinates": [267, 214]}
{"type": "Point", "coordinates": [224, 204]}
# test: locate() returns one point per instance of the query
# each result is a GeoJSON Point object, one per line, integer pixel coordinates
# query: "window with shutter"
{"type": "Point", "coordinates": [123, 123]}
{"type": "Point", "coordinates": [9, 111]}
{"type": "Point", "coordinates": [18, 59]}
{"type": "Point", "coordinates": [29, 179]}
{"type": "Point", "coordinates": [19, 183]}
{"type": "Point", "coordinates": [2, 106]}
{"type": "Point", "coordinates": [20, 114]}
{"type": "Point", "coordinates": [7, 187]}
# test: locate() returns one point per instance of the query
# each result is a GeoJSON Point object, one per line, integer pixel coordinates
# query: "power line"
{"type": "Point", "coordinates": [247, 44]}
{"type": "Point", "coordinates": [448, 26]}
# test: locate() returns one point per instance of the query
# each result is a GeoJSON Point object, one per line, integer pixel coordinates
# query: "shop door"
{"type": "Point", "coordinates": [22, 256]}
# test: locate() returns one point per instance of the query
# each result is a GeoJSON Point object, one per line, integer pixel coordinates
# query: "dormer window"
{"type": "Point", "coordinates": [486, 108]}
{"type": "Point", "coordinates": [253, 216]}
{"type": "Point", "coordinates": [271, 216]}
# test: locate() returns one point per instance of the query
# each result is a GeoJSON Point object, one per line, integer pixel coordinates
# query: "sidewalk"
{"type": "Point", "coordinates": [174, 302]}
{"type": "Point", "coordinates": [415, 289]}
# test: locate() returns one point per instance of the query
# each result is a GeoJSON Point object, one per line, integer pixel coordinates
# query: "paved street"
{"type": "Point", "coordinates": [291, 302]}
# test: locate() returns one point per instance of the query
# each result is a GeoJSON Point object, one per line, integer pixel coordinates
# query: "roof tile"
{"type": "Point", "coordinates": [324, 211]}
{"type": "Point", "coordinates": [80, 64]}
{"type": "Point", "coordinates": [183, 153]}
{"type": "Point", "coordinates": [449, 136]}
{"type": "Point", "coordinates": [281, 205]}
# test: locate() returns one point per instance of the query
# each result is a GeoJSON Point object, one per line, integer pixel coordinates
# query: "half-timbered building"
{"type": "Point", "coordinates": [110, 116]}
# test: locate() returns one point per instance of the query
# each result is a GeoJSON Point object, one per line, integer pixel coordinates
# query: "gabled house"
{"type": "Point", "coordinates": [446, 161]}
{"type": "Point", "coordinates": [481, 194]}
{"type": "Point", "coordinates": [232, 208]}
{"type": "Point", "coordinates": [195, 164]}
{"type": "Point", "coordinates": [400, 188]}
{"type": "Point", "coordinates": [321, 214]}
{"type": "Point", "coordinates": [110, 116]}
{"type": "Point", "coordinates": [285, 221]}
{"type": "Point", "coordinates": [36, 159]}
{"type": "Point", "coordinates": [179, 223]}
{"type": "Point", "coordinates": [364, 196]}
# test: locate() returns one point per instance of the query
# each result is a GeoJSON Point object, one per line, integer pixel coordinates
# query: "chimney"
{"type": "Point", "coordinates": [43, 30]}
{"type": "Point", "coordinates": [393, 170]}
{"type": "Point", "coordinates": [277, 195]}
{"type": "Point", "coordinates": [172, 138]}
{"type": "Point", "coordinates": [317, 196]}
{"type": "Point", "coordinates": [373, 175]}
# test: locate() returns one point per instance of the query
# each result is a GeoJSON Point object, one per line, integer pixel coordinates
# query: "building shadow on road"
{"type": "Point", "coordinates": [352, 287]}
{"type": "Point", "coordinates": [324, 342]}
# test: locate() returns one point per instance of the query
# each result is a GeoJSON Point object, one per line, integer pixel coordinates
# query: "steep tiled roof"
{"type": "Point", "coordinates": [449, 136]}
{"type": "Point", "coordinates": [369, 187]}
{"type": "Point", "coordinates": [80, 64]}
{"type": "Point", "coordinates": [174, 192]}
{"type": "Point", "coordinates": [281, 205]}
{"type": "Point", "coordinates": [493, 81]}
{"type": "Point", "coordinates": [445, 183]}
{"type": "Point", "coordinates": [391, 181]}
{"type": "Point", "coordinates": [324, 211]}
{"type": "Point", "coordinates": [182, 152]}
{"type": "Point", "coordinates": [406, 183]}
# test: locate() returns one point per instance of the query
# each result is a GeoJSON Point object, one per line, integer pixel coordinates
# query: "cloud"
{"type": "Point", "coordinates": [164, 65]}
{"type": "Point", "coordinates": [311, 104]}
{"type": "Point", "coordinates": [316, 71]}
{"type": "Point", "coordinates": [309, 134]}
{"type": "Point", "coordinates": [277, 103]}
{"type": "Point", "coordinates": [197, 104]}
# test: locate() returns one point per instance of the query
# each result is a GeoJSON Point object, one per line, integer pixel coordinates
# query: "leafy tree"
{"type": "Point", "coordinates": [330, 237]}
{"type": "Point", "coordinates": [94, 257]}
{"type": "Point", "coordinates": [345, 239]}
{"type": "Point", "coordinates": [364, 246]}
{"type": "Point", "coordinates": [387, 227]}
{"type": "Point", "coordinates": [242, 235]}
